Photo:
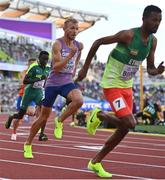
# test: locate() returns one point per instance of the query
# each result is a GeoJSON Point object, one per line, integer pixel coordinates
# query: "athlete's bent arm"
{"type": "Point", "coordinates": [30, 80]}
{"type": "Point", "coordinates": [57, 61]}
{"type": "Point", "coordinates": [151, 69]}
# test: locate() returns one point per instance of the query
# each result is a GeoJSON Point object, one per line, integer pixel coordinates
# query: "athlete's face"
{"type": "Point", "coordinates": [71, 30]}
{"type": "Point", "coordinates": [151, 23]}
{"type": "Point", "coordinates": [43, 59]}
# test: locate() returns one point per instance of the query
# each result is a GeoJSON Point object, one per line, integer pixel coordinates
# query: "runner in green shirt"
{"type": "Point", "coordinates": [34, 79]}
{"type": "Point", "coordinates": [133, 46]}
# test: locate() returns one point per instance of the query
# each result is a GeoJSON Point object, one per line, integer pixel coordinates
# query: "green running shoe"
{"type": "Point", "coordinates": [28, 151]}
{"type": "Point", "coordinates": [93, 122]}
{"type": "Point", "coordinates": [98, 169]}
{"type": "Point", "coordinates": [58, 128]}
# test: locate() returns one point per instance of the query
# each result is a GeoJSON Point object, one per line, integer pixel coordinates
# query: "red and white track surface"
{"type": "Point", "coordinates": [138, 156]}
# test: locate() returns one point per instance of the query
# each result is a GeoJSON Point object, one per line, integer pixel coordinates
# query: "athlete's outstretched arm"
{"type": "Point", "coordinates": [124, 37]}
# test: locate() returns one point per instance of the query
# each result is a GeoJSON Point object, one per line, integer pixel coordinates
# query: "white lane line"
{"type": "Point", "coordinates": [70, 169]}
{"type": "Point", "coordinates": [74, 146]}
{"type": "Point", "coordinates": [122, 145]}
{"type": "Point", "coordinates": [81, 143]}
{"type": "Point", "coordinates": [151, 137]}
{"type": "Point", "coordinates": [84, 158]}
{"type": "Point", "coordinates": [157, 145]}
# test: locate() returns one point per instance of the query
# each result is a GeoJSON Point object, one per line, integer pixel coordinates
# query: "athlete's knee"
{"type": "Point", "coordinates": [133, 124]}
{"type": "Point", "coordinates": [20, 114]}
{"type": "Point", "coordinates": [31, 111]}
{"type": "Point", "coordinates": [129, 121]}
{"type": "Point", "coordinates": [78, 102]}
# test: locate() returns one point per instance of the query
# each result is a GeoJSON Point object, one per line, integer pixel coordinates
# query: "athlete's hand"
{"type": "Point", "coordinates": [73, 50]}
{"type": "Point", "coordinates": [43, 77]}
{"type": "Point", "coordinates": [161, 68]}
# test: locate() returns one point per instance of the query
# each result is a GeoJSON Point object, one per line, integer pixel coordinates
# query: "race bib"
{"type": "Point", "coordinates": [118, 104]}
{"type": "Point", "coordinates": [129, 72]}
{"type": "Point", "coordinates": [39, 84]}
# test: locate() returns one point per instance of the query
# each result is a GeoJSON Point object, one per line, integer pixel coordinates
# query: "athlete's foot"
{"type": "Point", "coordinates": [13, 136]}
{"type": "Point", "coordinates": [58, 128]}
{"type": "Point", "coordinates": [28, 151]}
{"type": "Point", "coordinates": [39, 131]}
{"type": "Point", "coordinates": [93, 122]}
{"type": "Point", "coordinates": [98, 169]}
{"type": "Point", "coordinates": [26, 118]}
{"type": "Point", "coordinates": [8, 122]}
{"type": "Point", "coordinates": [72, 124]}
{"type": "Point", "coordinates": [43, 137]}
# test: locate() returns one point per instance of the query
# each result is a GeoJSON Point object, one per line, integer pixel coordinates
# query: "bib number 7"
{"type": "Point", "coordinates": [119, 104]}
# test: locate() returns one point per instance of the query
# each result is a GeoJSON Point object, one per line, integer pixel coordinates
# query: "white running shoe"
{"type": "Point", "coordinates": [26, 118]}
{"type": "Point", "coordinates": [14, 137]}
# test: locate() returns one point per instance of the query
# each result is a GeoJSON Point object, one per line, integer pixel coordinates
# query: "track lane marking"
{"type": "Point", "coordinates": [84, 158]}
{"type": "Point", "coordinates": [70, 169]}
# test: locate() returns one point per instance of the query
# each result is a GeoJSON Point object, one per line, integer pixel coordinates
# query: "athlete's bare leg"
{"type": "Point", "coordinates": [76, 102]}
{"type": "Point", "coordinates": [38, 123]}
{"type": "Point", "coordinates": [123, 124]}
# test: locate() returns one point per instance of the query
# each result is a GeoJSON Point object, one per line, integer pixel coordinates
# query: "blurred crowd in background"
{"type": "Point", "coordinates": [18, 49]}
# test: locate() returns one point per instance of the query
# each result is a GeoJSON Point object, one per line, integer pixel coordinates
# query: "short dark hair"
{"type": "Point", "coordinates": [43, 53]}
{"type": "Point", "coordinates": [149, 9]}
{"type": "Point", "coordinates": [70, 20]}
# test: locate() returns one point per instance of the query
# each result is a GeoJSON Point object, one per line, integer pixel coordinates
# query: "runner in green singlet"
{"type": "Point", "coordinates": [34, 79]}
{"type": "Point", "coordinates": [133, 46]}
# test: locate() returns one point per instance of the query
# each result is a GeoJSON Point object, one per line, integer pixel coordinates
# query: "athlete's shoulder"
{"type": "Point", "coordinates": [57, 44]}
{"type": "Point", "coordinates": [32, 66]}
{"type": "Point", "coordinates": [130, 32]}
{"type": "Point", "coordinates": [79, 45]}
{"type": "Point", "coordinates": [60, 41]}
{"type": "Point", "coordinates": [125, 36]}
{"type": "Point", "coordinates": [154, 39]}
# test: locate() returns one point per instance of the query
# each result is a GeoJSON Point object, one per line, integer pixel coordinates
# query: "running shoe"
{"type": "Point", "coordinates": [98, 169]}
{"type": "Point", "coordinates": [93, 121]}
{"type": "Point", "coordinates": [58, 128]}
{"type": "Point", "coordinates": [43, 137]}
{"type": "Point", "coordinates": [13, 137]}
{"type": "Point", "coordinates": [72, 124]}
{"type": "Point", "coordinates": [39, 131]}
{"type": "Point", "coordinates": [26, 118]}
{"type": "Point", "coordinates": [8, 122]}
{"type": "Point", "coordinates": [28, 151]}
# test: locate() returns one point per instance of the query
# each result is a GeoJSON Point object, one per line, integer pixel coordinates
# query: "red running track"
{"type": "Point", "coordinates": [138, 156]}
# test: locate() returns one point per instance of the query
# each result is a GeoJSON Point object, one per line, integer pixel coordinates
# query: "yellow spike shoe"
{"type": "Point", "coordinates": [98, 169]}
{"type": "Point", "coordinates": [93, 122]}
{"type": "Point", "coordinates": [28, 151]}
{"type": "Point", "coordinates": [58, 128]}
